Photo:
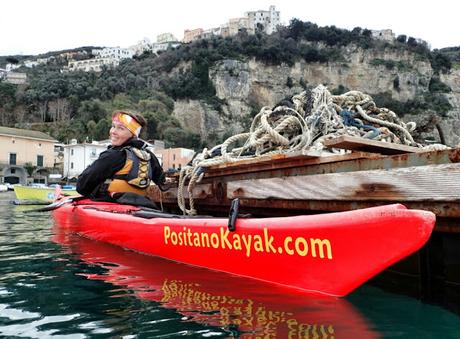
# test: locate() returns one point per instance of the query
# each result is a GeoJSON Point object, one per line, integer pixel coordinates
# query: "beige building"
{"type": "Point", "coordinates": [191, 35]}
{"type": "Point", "coordinates": [16, 78]}
{"type": "Point", "coordinates": [174, 158]}
{"type": "Point", "coordinates": [383, 34]}
{"type": "Point", "coordinates": [234, 26]}
{"type": "Point", "coordinates": [24, 150]}
{"type": "Point", "coordinates": [268, 21]}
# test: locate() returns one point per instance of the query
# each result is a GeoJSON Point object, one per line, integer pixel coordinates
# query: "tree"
{"type": "Point", "coordinates": [401, 38]}
{"type": "Point", "coordinates": [29, 168]}
{"type": "Point", "coordinates": [92, 110]}
{"type": "Point", "coordinates": [102, 128]}
{"type": "Point", "coordinates": [12, 60]}
{"type": "Point", "coordinates": [178, 137]}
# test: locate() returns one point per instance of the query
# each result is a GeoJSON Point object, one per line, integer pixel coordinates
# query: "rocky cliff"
{"type": "Point", "coordinates": [246, 86]}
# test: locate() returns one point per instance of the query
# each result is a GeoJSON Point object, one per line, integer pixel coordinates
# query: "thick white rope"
{"type": "Point", "coordinates": [314, 118]}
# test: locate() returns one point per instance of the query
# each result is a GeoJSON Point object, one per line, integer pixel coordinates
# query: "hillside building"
{"type": "Point", "coordinates": [141, 47]}
{"type": "Point", "coordinates": [95, 65]}
{"type": "Point", "coordinates": [166, 37]}
{"type": "Point", "coordinates": [192, 34]}
{"type": "Point", "coordinates": [236, 24]}
{"type": "Point", "coordinates": [383, 34]}
{"type": "Point", "coordinates": [16, 78]}
{"type": "Point", "coordinates": [268, 21]}
{"type": "Point", "coordinates": [113, 53]}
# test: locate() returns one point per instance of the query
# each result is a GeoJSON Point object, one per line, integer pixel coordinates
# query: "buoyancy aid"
{"type": "Point", "coordinates": [136, 174]}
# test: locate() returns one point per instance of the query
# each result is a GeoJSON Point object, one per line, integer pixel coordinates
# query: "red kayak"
{"type": "Point", "coordinates": [329, 254]}
{"type": "Point", "coordinates": [246, 307]}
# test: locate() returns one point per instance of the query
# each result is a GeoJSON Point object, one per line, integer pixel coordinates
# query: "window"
{"type": "Point", "coordinates": [71, 165]}
{"type": "Point", "coordinates": [40, 160]}
{"type": "Point", "coordinates": [71, 152]}
{"type": "Point", "coordinates": [12, 158]}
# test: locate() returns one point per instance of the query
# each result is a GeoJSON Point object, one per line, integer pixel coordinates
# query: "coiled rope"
{"type": "Point", "coordinates": [315, 116]}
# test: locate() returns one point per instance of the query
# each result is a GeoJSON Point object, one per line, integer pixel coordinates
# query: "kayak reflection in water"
{"type": "Point", "coordinates": [244, 307]}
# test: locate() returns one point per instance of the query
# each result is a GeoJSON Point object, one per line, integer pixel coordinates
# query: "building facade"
{"type": "Point", "coordinates": [166, 37]}
{"type": "Point", "coordinates": [79, 156]}
{"type": "Point", "coordinates": [383, 34]}
{"type": "Point", "coordinates": [113, 53]}
{"type": "Point", "coordinates": [192, 34]}
{"type": "Point", "coordinates": [16, 78]}
{"type": "Point", "coordinates": [92, 64]}
{"type": "Point", "coordinates": [267, 20]}
{"type": "Point", "coordinates": [174, 158]}
{"type": "Point", "coordinates": [141, 47]}
{"type": "Point", "coordinates": [237, 24]}
{"type": "Point", "coordinates": [25, 156]}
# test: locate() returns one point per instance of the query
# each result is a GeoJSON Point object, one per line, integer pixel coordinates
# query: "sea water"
{"type": "Point", "coordinates": [57, 285]}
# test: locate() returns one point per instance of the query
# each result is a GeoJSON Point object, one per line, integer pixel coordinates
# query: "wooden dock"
{"type": "Point", "coordinates": [308, 182]}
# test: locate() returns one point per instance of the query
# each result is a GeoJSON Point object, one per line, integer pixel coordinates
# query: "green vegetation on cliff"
{"type": "Point", "coordinates": [79, 104]}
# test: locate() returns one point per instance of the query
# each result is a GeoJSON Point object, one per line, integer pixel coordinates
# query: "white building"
{"type": "Point", "coordinates": [11, 67]}
{"type": "Point", "coordinates": [91, 64]}
{"type": "Point", "coordinates": [269, 20]}
{"type": "Point", "coordinates": [79, 156]}
{"type": "Point", "coordinates": [113, 53]}
{"type": "Point", "coordinates": [156, 47]}
{"type": "Point", "coordinates": [166, 37]}
{"type": "Point", "coordinates": [31, 63]}
{"type": "Point", "coordinates": [141, 47]}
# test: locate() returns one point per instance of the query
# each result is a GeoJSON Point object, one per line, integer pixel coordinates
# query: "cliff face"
{"type": "Point", "coordinates": [247, 86]}
{"type": "Point", "coordinates": [451, 124]}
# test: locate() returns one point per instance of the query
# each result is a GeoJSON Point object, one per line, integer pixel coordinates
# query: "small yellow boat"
{"type": "Point", "coordinates": [39, 194]}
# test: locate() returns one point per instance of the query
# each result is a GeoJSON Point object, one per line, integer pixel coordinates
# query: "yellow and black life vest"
{"type": "Point", "coordinates": [136, 174]}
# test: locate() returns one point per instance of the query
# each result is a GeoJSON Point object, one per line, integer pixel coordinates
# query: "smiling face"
{"type": "Point", "coordinates": [119, 134]}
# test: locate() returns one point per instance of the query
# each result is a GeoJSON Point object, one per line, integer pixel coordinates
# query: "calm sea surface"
{"type": "Point", "coordinates": [57, 285]}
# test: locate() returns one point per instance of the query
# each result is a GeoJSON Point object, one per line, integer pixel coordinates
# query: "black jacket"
{"type": "Point", "coordinates": [110, 162]}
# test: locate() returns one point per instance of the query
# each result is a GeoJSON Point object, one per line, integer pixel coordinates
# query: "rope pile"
{"type": "Point", "coordinates": [306, 122]}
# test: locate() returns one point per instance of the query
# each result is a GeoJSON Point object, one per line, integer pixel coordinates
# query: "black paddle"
{"type": "Point", "coordinates": [57, 204]}
{"type": "Point", "coordinates": [233, 215]}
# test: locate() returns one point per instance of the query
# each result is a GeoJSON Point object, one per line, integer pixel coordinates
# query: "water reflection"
{"type": "Point", "coordinates": [242, 307]}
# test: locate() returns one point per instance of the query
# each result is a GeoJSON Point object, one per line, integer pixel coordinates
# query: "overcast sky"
{"type": "Point", "coordinates": [40, 26]}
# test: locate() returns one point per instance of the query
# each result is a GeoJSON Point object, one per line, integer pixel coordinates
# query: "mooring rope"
{"type": "Point", "coordinates": [315, 116]}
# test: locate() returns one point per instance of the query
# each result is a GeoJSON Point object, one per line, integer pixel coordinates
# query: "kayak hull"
{"type": "Point", "coordinates": [329, 254]}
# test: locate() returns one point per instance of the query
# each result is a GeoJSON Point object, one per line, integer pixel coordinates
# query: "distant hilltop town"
{"type": "Point", "coordinates": [96, 59]}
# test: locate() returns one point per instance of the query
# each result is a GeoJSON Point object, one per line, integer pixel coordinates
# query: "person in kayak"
{"type": "Point", "coordinates": [126, 169]}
